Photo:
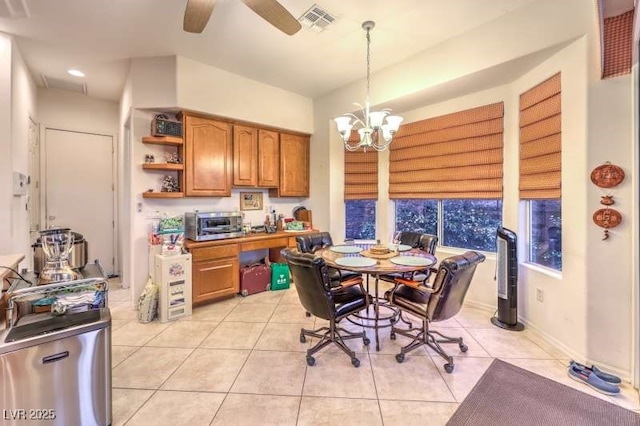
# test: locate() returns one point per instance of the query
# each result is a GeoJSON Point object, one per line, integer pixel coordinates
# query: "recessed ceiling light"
{"type": "Point", "coordinates": [76, 73]}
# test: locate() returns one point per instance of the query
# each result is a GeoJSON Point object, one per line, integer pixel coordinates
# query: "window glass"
{"type": "Point", "coordinates": [417, 215]}
{"type": "Point", "coordinates": [360, 219]}
{"type": "Point", "coordinates": [471, 224]}
{"type": "Point", "coordinates": [545, 233]}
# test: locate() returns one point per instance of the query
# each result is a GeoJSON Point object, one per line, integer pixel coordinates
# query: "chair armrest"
{"type": "Point", "coordinates": [414, 284]}
{"type": "Point", "coordinates": [351, 282]}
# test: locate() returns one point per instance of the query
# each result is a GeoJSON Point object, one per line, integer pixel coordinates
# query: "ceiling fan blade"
{"type": "Point", "coordinates": [275, 14]}
{"type": "Point", "coordinates": [197, 14]}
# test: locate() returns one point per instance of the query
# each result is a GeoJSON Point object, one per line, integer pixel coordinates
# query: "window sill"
{"type": "Point", "coordinates": [552, 273]}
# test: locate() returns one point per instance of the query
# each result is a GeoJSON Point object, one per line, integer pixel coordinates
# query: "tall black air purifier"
{"type": "Point", "coordinates": [507, 278]}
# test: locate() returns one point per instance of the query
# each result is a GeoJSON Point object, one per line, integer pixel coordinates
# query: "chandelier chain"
{"type": "Point", "coordinates": [368, 63]}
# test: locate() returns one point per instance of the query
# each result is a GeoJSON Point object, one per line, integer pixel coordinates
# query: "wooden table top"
{"type": "Point", "coordinates": [382, 266]}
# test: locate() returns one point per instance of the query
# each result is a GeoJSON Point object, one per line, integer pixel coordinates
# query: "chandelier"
{"type": "Point", "coordinates": [375, 128]}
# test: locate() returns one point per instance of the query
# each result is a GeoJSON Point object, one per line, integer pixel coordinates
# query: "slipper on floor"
{"type": "Point", "coordinates": [610, 378]}
{"type": "Point", "coordinates": [589, 378]}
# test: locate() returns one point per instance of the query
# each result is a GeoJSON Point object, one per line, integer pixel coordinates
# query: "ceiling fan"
{"type": "Point", "coordinates": [198, 12]}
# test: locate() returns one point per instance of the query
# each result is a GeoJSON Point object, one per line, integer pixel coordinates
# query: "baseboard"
{"type": "Point", "coordinates": [565, 350]}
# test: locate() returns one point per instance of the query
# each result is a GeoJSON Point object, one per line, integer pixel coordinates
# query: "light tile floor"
{"type": "Point", "coordinates": [240, 362]}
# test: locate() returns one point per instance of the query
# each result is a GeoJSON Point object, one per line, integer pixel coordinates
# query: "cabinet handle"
{"type": "Point", "coordinates": [216, 267]}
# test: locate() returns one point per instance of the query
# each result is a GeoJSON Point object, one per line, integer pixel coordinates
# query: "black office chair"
{"type": "Point", "coordinates": [311, 276]}
{"type": "Point", "coordinates": [313, 242]}
{"type": "Point", "coordinates": [432, 304]}
{"type": "Point", "coordinates": [424, 242]}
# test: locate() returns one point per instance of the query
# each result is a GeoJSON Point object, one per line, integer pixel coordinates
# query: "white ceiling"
{"type": "Point", "coordinates": [100, 36]}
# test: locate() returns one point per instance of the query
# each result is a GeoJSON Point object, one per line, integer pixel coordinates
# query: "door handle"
{"type": "Point", "coordinates": [56, 357]}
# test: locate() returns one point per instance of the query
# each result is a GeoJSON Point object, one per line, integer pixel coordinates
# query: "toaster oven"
{"type": "Point", "coordinates": [205, 226]}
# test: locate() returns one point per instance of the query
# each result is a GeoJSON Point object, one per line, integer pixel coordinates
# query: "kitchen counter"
{"type": "Point", "coordinates": [246, 240]}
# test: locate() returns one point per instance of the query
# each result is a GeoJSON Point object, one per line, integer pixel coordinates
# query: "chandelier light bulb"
{"type": "Point", "coordinates": [375, 128]}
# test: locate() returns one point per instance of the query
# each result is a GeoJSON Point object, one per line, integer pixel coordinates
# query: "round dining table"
{"type": "Point", "coordinates": [358, 258]}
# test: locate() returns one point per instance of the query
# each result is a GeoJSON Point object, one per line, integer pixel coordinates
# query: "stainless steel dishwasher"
{"type": "Point", "coordinates": [56, 369]}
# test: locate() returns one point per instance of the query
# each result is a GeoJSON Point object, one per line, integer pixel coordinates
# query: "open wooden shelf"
{"type": "Point", "coordinates": [162, 140]}
{"type": "Point", "coordinates": [163, 166]}
{"type": "Point", "coordinates": [162, 195]}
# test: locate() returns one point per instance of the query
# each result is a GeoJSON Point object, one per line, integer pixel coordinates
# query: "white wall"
{"type": "Point", "coordinates": [6, 197]}
{"type": "Point", "coordinates": [214, 91]}
{"type": "Point", "coordinates": [207, 90]}
{"type": "Point", "coordinates": [587, 309]}
{"type": "Point", "coordinates": [17, 104]}
{"type": "Point", "coordinates": [60, 109]}
{"type": "Point", "coordinates": [23, 108]}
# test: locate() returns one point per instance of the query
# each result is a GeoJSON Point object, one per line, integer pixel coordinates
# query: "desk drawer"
{"type": "Point", "coordinates": [218, 252]}
{"type": "Point", "coordinates": [265, 244]}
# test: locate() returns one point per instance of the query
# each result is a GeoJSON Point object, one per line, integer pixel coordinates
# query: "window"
{"type": "Point", "coordinates": [467, 224]}
{"type": "Point", "coordinates": [417, 215]}
{"type": "Point", "coordinates": [471, 224]}
{"type": "Point", "coordinates": [541, 170]}
{"type": "Point", "coordinates": [545, 233]}
{"type": "Point", "coordinates": [360, 219]}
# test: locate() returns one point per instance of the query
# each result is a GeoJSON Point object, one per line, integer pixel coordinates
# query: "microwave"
{"type": "Point", "coordinates": [205, 226]}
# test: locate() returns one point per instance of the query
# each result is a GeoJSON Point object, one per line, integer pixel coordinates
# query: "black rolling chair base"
{"type": "Point", "coordinates": [426, 337]}
{"type": "Point", "coordinates": [326, 337]}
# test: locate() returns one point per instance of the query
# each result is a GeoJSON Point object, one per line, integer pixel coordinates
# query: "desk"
{"type": "Point", "coordinates": [381, 267]}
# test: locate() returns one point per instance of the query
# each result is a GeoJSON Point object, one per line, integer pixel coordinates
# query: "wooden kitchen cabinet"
{"type": "Point", "coordinates": [208, 157]}
{"type": "Point", "coordinates": [268, 158]}
{"type": "Point", "coordinates": [245, 156]}
{"type": "Point", "coordinates": [294, 167]}
{"type": "Point", "coordinates": [256, 157]}
{"type": "Point", "coordinates": [215, 273]}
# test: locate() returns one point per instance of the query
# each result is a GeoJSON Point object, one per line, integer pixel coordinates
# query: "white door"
{"type": "Point", "coordinates": [80, 190]}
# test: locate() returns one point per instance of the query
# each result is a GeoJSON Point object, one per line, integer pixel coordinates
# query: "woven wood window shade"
{"type": "Point", "coordinates": [456, 155]}
{"type": "Point", "coordinates": [360, 173]}
{"type": "Point", "coordinates": [541, 141]}
{"type": "Point", "coordinates": [617, 46]}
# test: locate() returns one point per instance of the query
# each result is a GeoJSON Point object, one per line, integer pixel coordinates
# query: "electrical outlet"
{"type": "Point", "coordinates": [539, 295]}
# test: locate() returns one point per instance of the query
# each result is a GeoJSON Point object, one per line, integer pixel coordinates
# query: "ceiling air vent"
{"type": "Point", "coordinates": [56, 83]}
{"type": "Point", "coordinates": [316, 18]}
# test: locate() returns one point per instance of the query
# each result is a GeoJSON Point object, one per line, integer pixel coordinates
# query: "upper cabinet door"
{"type": "Point", "coordinates": [294, 166]}
{"type": "Point", "coordinates": [208, 164]}
{"type": "Point", "coordinates": [268, 159]}
{"type": "Point", "coordinates": [245, 152]}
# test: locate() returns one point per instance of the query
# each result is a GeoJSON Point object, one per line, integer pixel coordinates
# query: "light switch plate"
{"type": "Point", "coordinates": [19, 183]}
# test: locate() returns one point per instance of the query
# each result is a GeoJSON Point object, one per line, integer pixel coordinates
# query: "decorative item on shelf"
{"type": "Point", "coordinates": [607, 218]}
{"type": "Point", "coordinates": [149, 158]}
{"type": "Point", "coordinates": [375, 128]}
{"type": "Point", "coordinates": [172, 158]}
{"type": "Point", "coordinates": [161, 125]}
{"type": "Point", "coordinates": [251, 201]}
{"type": "Point", "coordinates": [169, 184]}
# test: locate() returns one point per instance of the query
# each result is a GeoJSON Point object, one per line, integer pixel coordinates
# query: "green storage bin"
{"type": "Point", "coordinates": [280, 276]}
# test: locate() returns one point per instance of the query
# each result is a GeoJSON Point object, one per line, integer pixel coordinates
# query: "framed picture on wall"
{"type": "Point", "coordinates": [251, 201]}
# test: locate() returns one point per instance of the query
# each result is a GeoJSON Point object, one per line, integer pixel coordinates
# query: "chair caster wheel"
{"type": "Point", "coordinates": [448, 367]}
{"type": "Point", "coordinates": [303, 339]}
{"type": "Point", "coordinates": [366, 341]}
{"type": "Point", "coordinates": [392, 336]}
{"type": "Point", "coordinates": [464, 347]}
{"type": "Point", "coordinates": [311, 361]}
{"type": "Point", "coordinates": [355, 362]}
{"type": "Point", "coordinates": [308, 314]}
{"type": "Point", "coordinates": [400, 358]}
